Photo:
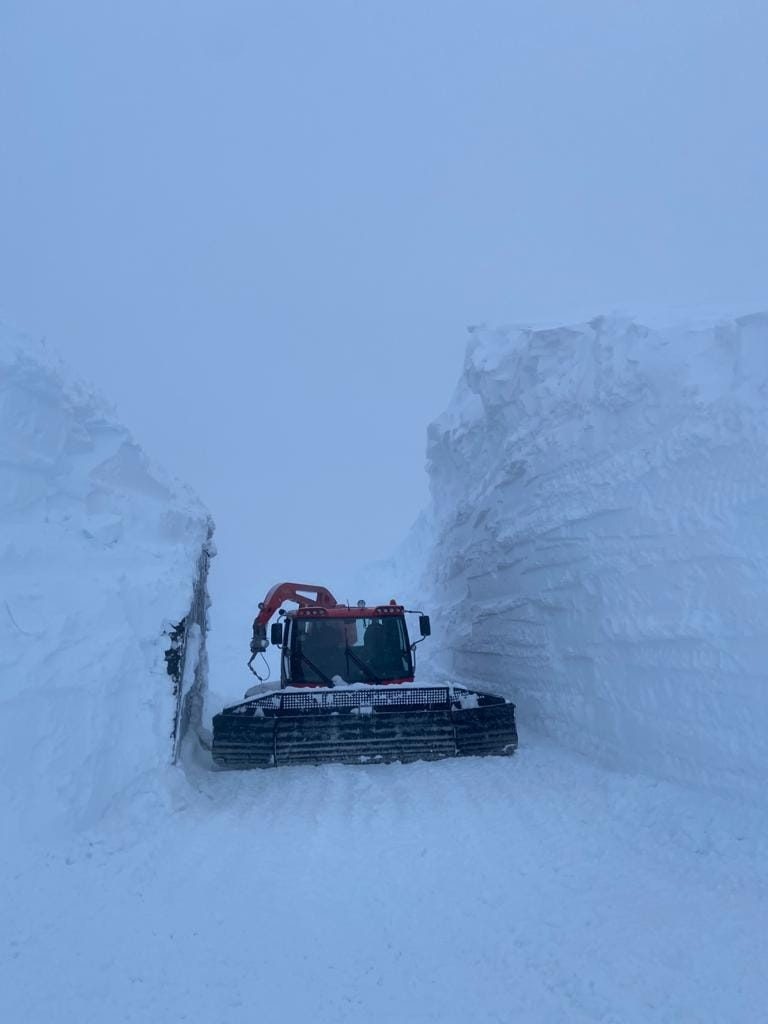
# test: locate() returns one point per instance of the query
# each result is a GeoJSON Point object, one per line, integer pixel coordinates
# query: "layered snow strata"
{"type": "Point", "coordinates": [600, 495]}
{"type": "Point", "coordinates": [100, 554]}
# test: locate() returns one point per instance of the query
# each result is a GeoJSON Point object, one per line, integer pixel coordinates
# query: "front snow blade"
{"type": "Point", "coordinates": [369, 724]}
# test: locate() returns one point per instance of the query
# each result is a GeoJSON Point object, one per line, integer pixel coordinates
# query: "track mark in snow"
{"type": "Point", "coordinates": [537, 888]}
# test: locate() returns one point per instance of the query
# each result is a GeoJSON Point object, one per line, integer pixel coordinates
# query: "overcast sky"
{"type": "Point", "coordinates": [262, 228]}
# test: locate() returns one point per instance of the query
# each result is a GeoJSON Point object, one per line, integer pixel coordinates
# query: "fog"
{"type": "Point", "coordinates": [262, 228]}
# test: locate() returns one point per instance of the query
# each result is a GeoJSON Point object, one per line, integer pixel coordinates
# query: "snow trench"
{"type": "Point", "coordinates": [600, 539]}
{"type": "Point", "coordinates": [102, 556]}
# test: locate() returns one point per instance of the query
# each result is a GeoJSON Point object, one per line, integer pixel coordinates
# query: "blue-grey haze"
{"type": "Point", "coordinates": [261, 227]}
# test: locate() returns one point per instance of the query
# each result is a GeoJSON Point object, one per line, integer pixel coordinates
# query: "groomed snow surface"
{"type": "Point", "coordinates": [538, 888]}
{"type": "Point", "coordinates": [596, 490]}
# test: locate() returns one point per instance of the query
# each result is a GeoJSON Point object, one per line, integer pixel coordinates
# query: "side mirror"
{"type": "Point", "coordinates": [424, 626]}
{"type": "Point", "coordinates": [276, 633]}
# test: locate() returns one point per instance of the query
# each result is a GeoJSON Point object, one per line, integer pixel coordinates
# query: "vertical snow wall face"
{"type": "Point", "coordinates": [101, 556]}
{"type": "Point", "coordinates": [600, 500]}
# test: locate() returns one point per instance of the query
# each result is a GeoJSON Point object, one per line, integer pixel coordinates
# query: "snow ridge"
{"type": "Point", "coordinates": [600, 495]}
{"type": "Point", "coordinates": [98, 556]}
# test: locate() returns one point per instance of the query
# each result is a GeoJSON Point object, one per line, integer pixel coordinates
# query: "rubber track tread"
{"type": "Point", "coordinates": [310, 738]}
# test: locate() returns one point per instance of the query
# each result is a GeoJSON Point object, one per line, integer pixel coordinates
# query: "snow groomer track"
{"type": "Point", "coordinates": [353, 725]}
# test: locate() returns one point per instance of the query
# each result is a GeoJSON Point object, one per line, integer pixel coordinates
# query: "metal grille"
{"type": "Point", "coordinates": [316, 699]}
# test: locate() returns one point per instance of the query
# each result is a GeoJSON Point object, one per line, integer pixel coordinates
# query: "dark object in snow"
{"type": "Point", "coordinates": [348, 693]}
{"type": "Point", "coordinates": [174, 652]}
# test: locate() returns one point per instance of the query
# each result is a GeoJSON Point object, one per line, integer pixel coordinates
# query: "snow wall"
{"type": "Point", "coordinates": [600, 553]}
{"type": "Point", "coordinates": [101, 556]}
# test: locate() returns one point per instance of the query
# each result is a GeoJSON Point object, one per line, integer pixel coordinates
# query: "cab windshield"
{"type": "Point", "coordinates": [357, 650]}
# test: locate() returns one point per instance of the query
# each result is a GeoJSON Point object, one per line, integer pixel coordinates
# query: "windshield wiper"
{"type": "Point", "coordinates": [313, 666]}
{"type": "Point", "coordinates": [362, 665]}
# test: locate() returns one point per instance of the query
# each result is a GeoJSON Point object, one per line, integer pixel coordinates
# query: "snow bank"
{"type": "Point", "coordinates": [600, 495]}
{"type": "Point", "coordinates": [100, 554]}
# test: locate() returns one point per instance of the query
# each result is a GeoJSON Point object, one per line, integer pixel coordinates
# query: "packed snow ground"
{"type": "Point", "coordinates": [537, 888]}
{"type": "Point", "coordinates": [543, 887]}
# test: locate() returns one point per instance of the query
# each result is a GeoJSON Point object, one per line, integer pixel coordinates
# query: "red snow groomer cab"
{"type": "Point", "coordinates": [347, 692]}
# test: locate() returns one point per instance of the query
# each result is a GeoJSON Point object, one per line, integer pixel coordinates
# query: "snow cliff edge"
{"type": "Point", "coordinates": [99, 555]}
{"type": "Point", "coordinates": [600, 501]}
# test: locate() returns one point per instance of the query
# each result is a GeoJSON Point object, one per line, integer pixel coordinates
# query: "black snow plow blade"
{"type": "Point", "coordinates": [369, 724]}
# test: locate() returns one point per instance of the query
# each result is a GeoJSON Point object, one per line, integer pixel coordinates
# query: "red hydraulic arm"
{"type": "Point", "coordinates": [305, 595]}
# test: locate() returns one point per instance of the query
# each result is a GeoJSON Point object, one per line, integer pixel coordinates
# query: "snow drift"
{"type": "Point", "coordinates": [100, 554]}
{"type": "Point", "coordinates": [600, 507]}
